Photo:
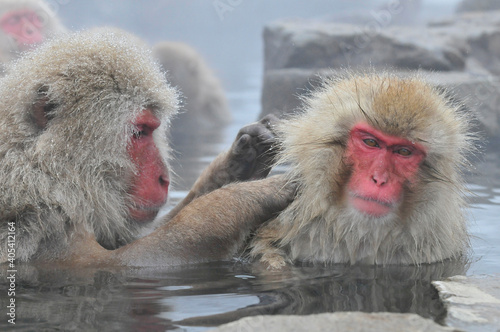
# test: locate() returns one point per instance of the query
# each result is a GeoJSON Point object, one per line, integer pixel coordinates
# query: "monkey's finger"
{"type": "Point", "coordinates": [265, 148]}
{"type": "Point", "coordinates": [270, 121]}
{"type": "Point", "coordinates": [241, 144]}
{"type": "Point", "coordinates": [256, 130]}
{"type": "Point", "coordinates": [246, 150]}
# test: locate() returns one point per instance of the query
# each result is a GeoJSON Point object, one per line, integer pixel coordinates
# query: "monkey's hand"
{"type": "Point", "coordinates": [252, 154]}
{"type": "Point", "coordinates": [250, 157]}
{"type": "Point", "coordinates": [264, 251]}
{"type": "Point", "coordinates": [273, 261]}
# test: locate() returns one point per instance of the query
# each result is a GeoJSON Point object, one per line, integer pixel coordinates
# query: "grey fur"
{"type": "Point", "coordinates": [73, 173]}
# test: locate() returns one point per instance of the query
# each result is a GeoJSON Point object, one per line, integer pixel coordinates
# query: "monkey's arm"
{"type": "Point", "coordinates": [249, 158]}
{"type": "Point", "coordinates": [213, 227]}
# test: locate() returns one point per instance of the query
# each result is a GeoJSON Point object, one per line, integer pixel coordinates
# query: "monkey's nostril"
{"type": "Point", "coordinates": [379, 181]}
{"type": "Point", "coordinates": [163, 180]}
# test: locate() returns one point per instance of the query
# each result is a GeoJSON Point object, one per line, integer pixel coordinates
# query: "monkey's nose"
{"type": "Point", "coordinates": [164, 180]}
{"type": "Point", "coordinates": [379, 179]}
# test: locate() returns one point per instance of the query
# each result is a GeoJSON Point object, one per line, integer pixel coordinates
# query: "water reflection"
{"type": "Point", "coordinates": [309, 290]}
{"type": "Point", "coordinates": [484, 184]}
{"type": "Point", "coordinates": [200, 296]}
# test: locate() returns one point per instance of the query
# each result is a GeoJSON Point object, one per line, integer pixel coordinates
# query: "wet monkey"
{"type": "Point", "coordinates": [25, 24]}
{"type": "Point", "coordinates": [84, 163]}
{"type": "Point", "coordinates": [377, 160]}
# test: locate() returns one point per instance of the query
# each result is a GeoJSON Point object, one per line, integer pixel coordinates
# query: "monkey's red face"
{"type": "Point", "coordinates": [24, 26]}
{"type": "Point", "coordinates": [381, 166]}
{"type": "Point", "coordinates": [150, 184]}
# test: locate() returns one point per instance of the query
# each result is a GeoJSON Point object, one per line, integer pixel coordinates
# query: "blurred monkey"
{"type": "Point", "coordinates": [25, 24]}
{"type": "Point", "coordinates": [205, 104]}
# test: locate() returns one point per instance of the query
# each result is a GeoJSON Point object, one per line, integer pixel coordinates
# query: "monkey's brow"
{"type": "Point", "coordinates": [433, 174]}
{"type": "Point", "coordinates": [421, 140]}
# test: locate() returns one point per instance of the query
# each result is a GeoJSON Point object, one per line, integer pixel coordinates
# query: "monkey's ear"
{"type": "Point", "coordinates": [41, 112]}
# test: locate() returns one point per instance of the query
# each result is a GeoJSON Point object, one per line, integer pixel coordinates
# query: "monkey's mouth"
{"type": "Point", "coordinates": [371, 206]}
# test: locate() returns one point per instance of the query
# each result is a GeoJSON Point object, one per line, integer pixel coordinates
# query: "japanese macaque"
{"type": "Point", "coordinates": [377, 160]}
{"type": "Point", "coordinates": [84, 163]}
{"type": "Point", "coordinates": [204, 102]}
{"type": "Point", "coordinates": [25, 24]}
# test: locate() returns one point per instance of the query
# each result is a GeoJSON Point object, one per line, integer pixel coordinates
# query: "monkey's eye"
{"type": "Point", "coordinates": [139, 132]}
{"type": "Point", "coordinates": [371, 142]}
{"type": "Point", "coordinates": [404, 152]}
{"type": "Point", "coordinates": [14, 19]}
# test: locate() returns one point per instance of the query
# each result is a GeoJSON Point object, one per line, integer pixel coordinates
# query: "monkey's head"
{"type": "Point", "coordinates": [85, 118]}
{"type": "Point", "coordinates": [25, 24]}
{"type": "Point", "coordinates": [377, 147]}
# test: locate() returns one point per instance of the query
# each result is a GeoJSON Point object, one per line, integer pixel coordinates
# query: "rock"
{"type": "Point", "coordinates": [441, 46]}
{"type": "Point", "coordinates": [481, 34]}
{"type": "Point", "coordinates": [478, 5]}
{"type": "Point", "coordinates": [479, 93]}
{"type": "Point", "coordinates": [461, 54]}
{"type": "Point", "coordinates": [284, 88]}
{"type": "Point", "coordinates": [401, 12]}
{"type": "Point", "coordinates": [311, 44]}
{"type": "Point", "coordinates": [473, 303]}
{"type": "Point", "coordinates": [340, 321]}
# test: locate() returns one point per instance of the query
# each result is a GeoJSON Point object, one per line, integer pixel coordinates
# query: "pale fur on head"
{"type": "Point", "coordinates": [319, 227]}
{"type": "Point", "coordinates": [51, 24]}
{"type": "Point", "coordinates": [76, 171]}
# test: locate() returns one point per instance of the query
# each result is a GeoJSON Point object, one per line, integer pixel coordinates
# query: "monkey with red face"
{"type": "Point", "coordinates": [84, 163]}
{"type": "Point", "coordinates": [377, 160]}
{"type": "Point", "coordinates": [25, 24]}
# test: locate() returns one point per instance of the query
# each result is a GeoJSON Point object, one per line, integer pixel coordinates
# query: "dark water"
{"type": "Point", "coordinates": [197, 297]}
{"type": "Point", "coordinates": [201, 296]}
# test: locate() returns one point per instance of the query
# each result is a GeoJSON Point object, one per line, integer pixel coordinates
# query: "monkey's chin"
{"type": "Point", "coordinates": [371, 207]}
{"type": "Point", "coordinates": [144, 215]}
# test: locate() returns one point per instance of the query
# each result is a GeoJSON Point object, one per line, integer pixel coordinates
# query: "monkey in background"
{"type": "Point", "coordinates": [25, 24]}
{"type": "Point", "coordinates": [204, 110]}
{"type": "Point", "coordinates": [205, 103]}
{"type": "Point", "coordinates": [84, 163]}
{"type": "Point", "coordinates": [377, 160]}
